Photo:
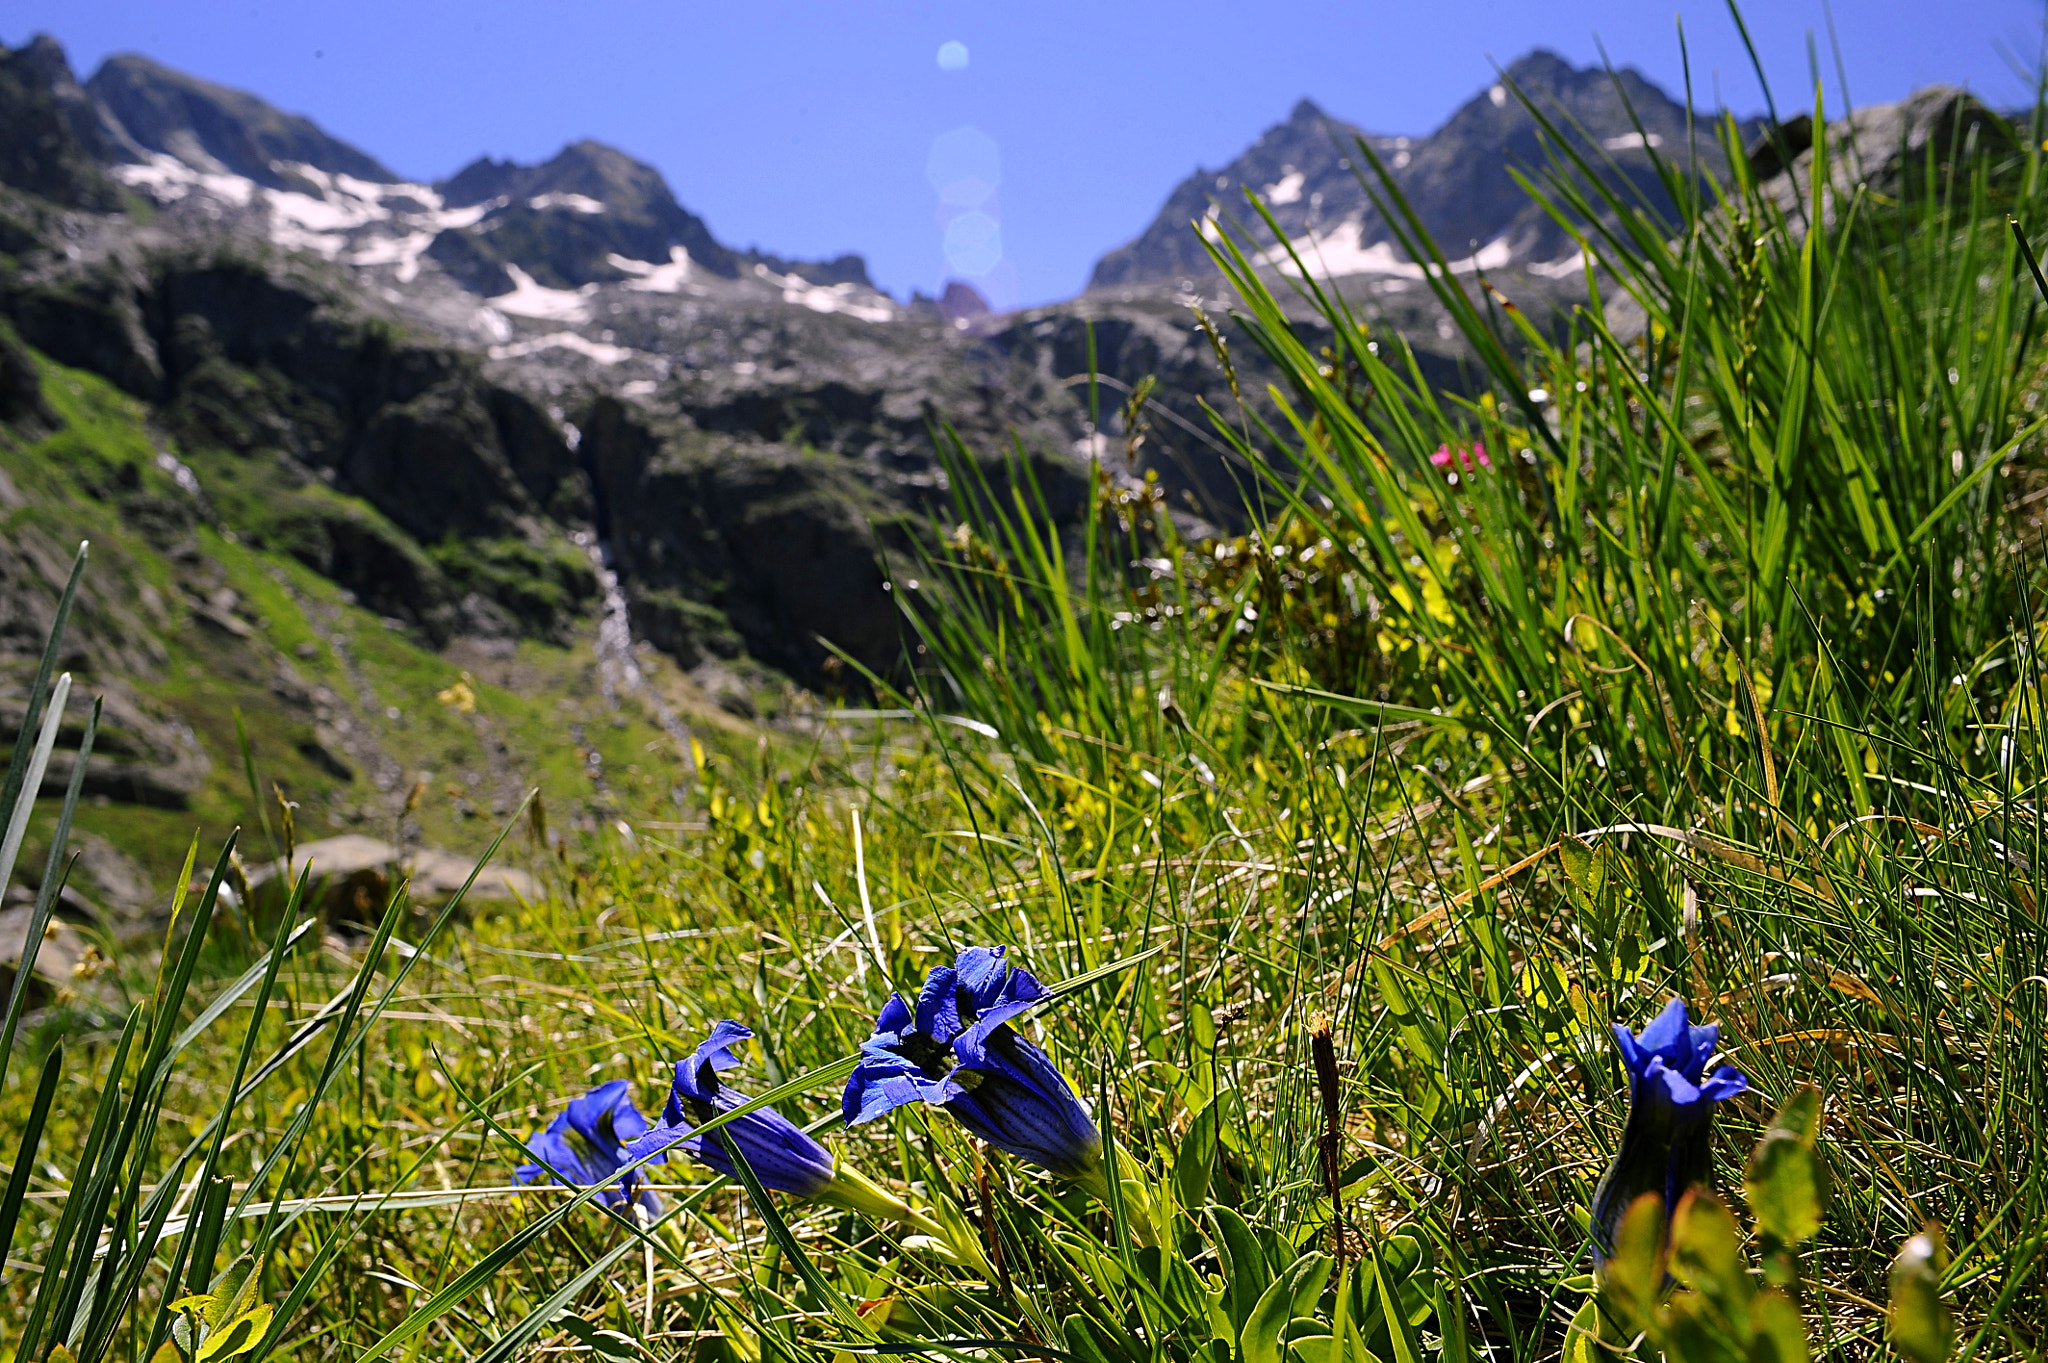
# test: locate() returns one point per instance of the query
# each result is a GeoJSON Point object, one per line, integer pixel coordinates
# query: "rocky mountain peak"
{"type": "Point", "coordinates": [1456, 178]}
{"type": "Point", "coordinates": [586, 169]}
{"type": "Point", "coordinates": [212, 128]}
{"type": "Point", "coordinates": [53, 142]}
{"type": "Point", "coordinates": [566, 221]}
{"type": "Point", "coordinates": [1540, 67]}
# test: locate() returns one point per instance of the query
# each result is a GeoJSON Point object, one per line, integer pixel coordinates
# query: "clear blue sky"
{"type": "Point", "coordinates": [806, 128]}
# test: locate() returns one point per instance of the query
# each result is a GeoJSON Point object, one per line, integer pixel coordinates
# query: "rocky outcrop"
{"type": "Point", "coordinates": [1885, 149]}
{"type": "Point", "coordinates": [720, 539]}
{"type": "Point", "coordinates": [21, 388]}
{"type": "Point", "coordinates": [562, 221]}
{"type": "Point", "coordinates": [1311, 175]}
{"type": "Point", "coordinates": [53, 145]}
{"type": "Point", "coordinates": [156, 109]}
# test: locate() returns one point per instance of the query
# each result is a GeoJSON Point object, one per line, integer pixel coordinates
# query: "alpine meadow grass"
{"type": "Point", "coordinates": [1213, 952]}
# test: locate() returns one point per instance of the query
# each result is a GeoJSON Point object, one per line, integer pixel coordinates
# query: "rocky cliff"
{"type": "Point", "coordinates": [1458, 180]}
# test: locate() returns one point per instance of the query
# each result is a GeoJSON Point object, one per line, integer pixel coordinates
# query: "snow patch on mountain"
{"type": "Point", "coordinates": [166, 179]}
{"type": "Point", "coordinates": [672, 277]}
{"type": "Point", "coordinates": [1342, 251]}
{"type": "Point", "coordinates": [1286, 189]}
{"type": "Point", "coordinates": [334, 216]}
{"type": "Point", "coordinates": [530, 298]}
{"type": "Point", "coordinates": [601, 351]}
{"type": "Point", "coordinates": [851, 299]}
{"type": "Point", "coordinates": [581, 203]}
{"type": "Point", "coordinates": [1571, 265]}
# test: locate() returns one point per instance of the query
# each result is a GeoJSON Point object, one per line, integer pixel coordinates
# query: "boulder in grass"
{"type": "Point", "coordinates": [66, 965]}
{"type": "Point", "coordinates": [352, 877]}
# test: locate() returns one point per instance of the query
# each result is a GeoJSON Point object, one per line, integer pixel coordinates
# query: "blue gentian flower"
{"type": "Point", "coordinates": [1667, 1145]}
{"type": "Point", "coordinates": [586, 1145]}
{"type": "Point", "coordinates": [781, 1155]}
{"type": "Point", "coordinates": [775, 1148]}
{"type": "Point", "coordinates": [957, 1051]}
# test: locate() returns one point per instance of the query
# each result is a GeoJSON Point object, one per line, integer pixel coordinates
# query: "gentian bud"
{"type": "Point", "coordinates": [1667, 1145]}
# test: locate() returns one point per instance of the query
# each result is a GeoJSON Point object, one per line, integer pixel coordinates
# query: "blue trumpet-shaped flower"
{"type": "Point", "coordinates": [775, 1148]}
{"type": "Point", "coordinates": [1666, 1147]}
{"type": "Point", "coordinates": [956, 1050]}
{"type": "Point", "coordinates": [586, 1144]}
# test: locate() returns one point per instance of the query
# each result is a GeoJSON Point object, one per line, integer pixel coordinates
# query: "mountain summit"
{"type": "Point", "coordinates": [214, 128]}
{"type": "Point", "coordinates": [1308, 171]}
{"type": "Point", "coordinates": [566, 220]}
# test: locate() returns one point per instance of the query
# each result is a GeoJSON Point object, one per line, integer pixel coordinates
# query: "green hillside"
{"type": "Point", "coordinates": [194, 612]}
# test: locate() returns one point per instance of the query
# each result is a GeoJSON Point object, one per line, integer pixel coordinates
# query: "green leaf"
{"type": "Point", "coordinates": [1314, 1349]}
{"type": "Point", "coordinates": [1407, 1348]}
{"type": "Point", "coordinates": [1634, 1276]}
{"type": "Point", "coordinates": [1582, 1336]}
{"type": "Point", "coordinates": [1585, 870]}
{"type": "Point", "coordinates": [1778, 1332]}
{"type": "Point", "coordinates": [1706, 1254]}
{"type": "Point", "coordinates": [236, 1337]}
{"type": "Point", "coordinates": [1292, 1294]}
{"type": "Point", "coordinates": [1246, 1273]}
{"type": "Point", "coordinates": [1918, 1320]}
{"type": "Point", "coordinates": [1450, 1324]}
{"type": "Point", "coordinates": [603, 1343]}
{"type": "Point", "coordinates": [1090, 1343]}
{"type": "Point", "coordinates": [1196, 1162]}
{"type": "Point", "coordinates": [1784, 1186]}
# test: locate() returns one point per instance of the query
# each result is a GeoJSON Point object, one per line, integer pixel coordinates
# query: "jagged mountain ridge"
{"type": "Point", "coordinates": [1307, 171]}
{"type": "Point", "coordinates": [149, 108]}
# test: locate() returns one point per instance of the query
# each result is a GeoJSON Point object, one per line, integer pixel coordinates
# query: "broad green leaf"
{"type": "Point", "coordinates": [1786, 1183]}
{"type": "Point", "coordinates": [238, 1336]}
{"type": "Point", "coordinates": [1092, 1343]}
{"type": "Point", "coordinates": [1706, 1254]}
{"type": "Point", "coordinates": [1778, 1332]}
{"type": "Point", "coordinates": [1784, 1187]}
{"type": "Point", "coordinates": [1918, 1320]}
{"type": "Point", "coordinates": [1585, 870]}
{"type": "Point", "coordinates": [1246, 1274]}
{"type": "Point", "coordinates": [1450, 1323]}
{"type": "Point", "coordinates": [1314, 1349]}
{"type": "Point", "coordinates": [1196, 1162]}
{"type": "Point", "coordinates": [1634, 1274]}
{"type": "Point", "coordinates": [1289, 1295]}
{"type": "Point", "coordinates": [1694, 1330]}
{"type": "Point", "coordinates": [1582, 1337]}
{"type": "Point", "coordinates": [1407, 1348]}
{"type": "Point", "coordinates": [603, 1343]}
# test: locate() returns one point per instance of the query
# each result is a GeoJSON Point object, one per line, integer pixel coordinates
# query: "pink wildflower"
{"type": "Point", "coordinates": [1467, 457]}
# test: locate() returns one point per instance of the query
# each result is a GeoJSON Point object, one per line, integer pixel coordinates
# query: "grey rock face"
{"type": "Point", "coordinates": [211, 126]}
{"type": "Point", "coordinates": [1885, 149]}
{"type": "Point", "coordinates": [722, 538]}
{"type": "Point", "coordinates": [53, 145]}
{"type": "Point", "coordinates": [563, 220]}
{"type": "Point", "coordinates": [1311, 174]}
